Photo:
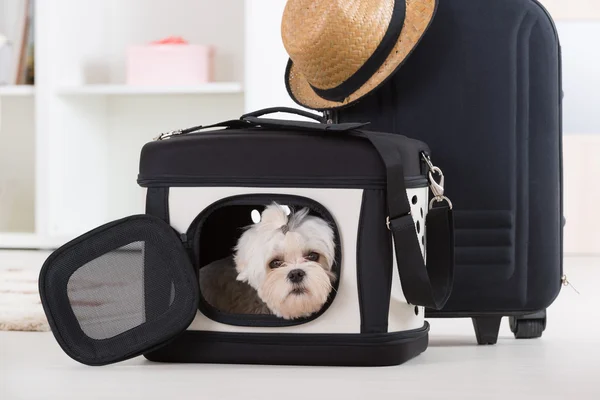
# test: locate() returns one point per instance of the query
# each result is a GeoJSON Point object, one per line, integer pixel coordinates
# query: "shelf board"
{"type": "Point", "coordinates": [9, 240]}
{"type": "Point", "coordinates": [124, 90]}
{"type": "Point", "coordinates": [17, 90]}
{"type": "Point", "coordinates": [17, 240]}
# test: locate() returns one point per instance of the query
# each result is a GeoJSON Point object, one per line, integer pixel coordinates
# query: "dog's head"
{"type": "Point", "coordinates": [288, 260]}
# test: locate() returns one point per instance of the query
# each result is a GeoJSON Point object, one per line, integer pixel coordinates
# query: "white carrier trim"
{"type": "Point", "coordinates": [343, 316]}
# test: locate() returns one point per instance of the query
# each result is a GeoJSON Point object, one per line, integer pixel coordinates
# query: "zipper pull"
{"type": "Point", "coordinates": [185, 241]}
{"type": "Point", "coordinates": [167, 135]}
{"type": "Point", "coordinates": [565, 283]}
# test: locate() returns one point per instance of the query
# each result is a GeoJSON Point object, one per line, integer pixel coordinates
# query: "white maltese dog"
{"type": "Point", "coordinates": [283, 266]}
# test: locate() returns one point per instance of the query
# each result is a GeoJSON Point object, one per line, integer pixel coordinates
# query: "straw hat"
{"type": "Point", "coordinates": [341, 50]}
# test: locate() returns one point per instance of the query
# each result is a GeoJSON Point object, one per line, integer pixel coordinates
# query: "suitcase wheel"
{"type": "Point", "coordinates": [529, 326]}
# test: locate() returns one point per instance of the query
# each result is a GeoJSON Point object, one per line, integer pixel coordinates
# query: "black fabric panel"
{"type": "Point", "coordinates": [244, 156]}
{"type": "Point", "coordinates": [294, 349]}
{"type": "Point", "coordinates": [156, 301]}
{"type": "Point", "coordinates": [482, 89]}
{"type": "Point", "coordinates": [157, 203]}
{"type": "Point", "coordinates": [374, 263]}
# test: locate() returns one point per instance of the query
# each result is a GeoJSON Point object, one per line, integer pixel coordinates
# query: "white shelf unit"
{"type": "Point", "coordinates": [70, 146]}
{"type": "Point", "coordinates": [17, 90]}
{"type": "Point", "coordinates": [17, 165]}
{"type": "Point", "coordinates": [129, 90]}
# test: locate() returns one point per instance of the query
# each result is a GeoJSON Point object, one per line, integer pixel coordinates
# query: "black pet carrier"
{"type": "Point", "coordinates": [130, 287]}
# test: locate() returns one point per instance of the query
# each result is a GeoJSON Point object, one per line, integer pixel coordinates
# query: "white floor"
{"type": "Point", "coordinates": [563, 364]}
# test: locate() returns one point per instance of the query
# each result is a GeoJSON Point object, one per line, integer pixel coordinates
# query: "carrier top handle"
{"type": "Point", "coordinates": [288, 110]}
{"type": "Point", "coordinates": [321, 124]}
{"type": "Point", "coordinates": [253, 119]}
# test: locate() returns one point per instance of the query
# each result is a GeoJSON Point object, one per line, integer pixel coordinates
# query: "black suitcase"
{"type": "Point", "coordinates": [483, 89]}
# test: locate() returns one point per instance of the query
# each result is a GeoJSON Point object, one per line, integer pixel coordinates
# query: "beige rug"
{"type": "Point", "coordinates": [20, 306]}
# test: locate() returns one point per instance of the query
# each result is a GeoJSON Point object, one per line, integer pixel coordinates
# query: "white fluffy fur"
{"type": "Point", "coordinates": [266, 240]}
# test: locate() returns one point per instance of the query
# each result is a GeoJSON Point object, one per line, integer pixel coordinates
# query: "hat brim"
{"type": "Point", "coordinates": [419, 14]}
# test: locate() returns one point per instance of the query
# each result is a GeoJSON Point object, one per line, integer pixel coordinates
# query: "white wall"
{"type": "Point", "coordinates": [578, 24]}
{"type": "Point", "coordinates": [99, 33]}
{"type": "Point", "coordinates": [580, 42]}
{"type": "Point", "coordinates": [266, 57]}
{"type": "Point", "coordinates": [8, 25]}
{"type": "Point", "coordinates": [582, 192]}
{"type": "Point", "coordinates": [573, 9]}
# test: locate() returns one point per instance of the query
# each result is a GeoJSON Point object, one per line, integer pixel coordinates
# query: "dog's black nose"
{"type": "Point", "coordinates": [296, 275]}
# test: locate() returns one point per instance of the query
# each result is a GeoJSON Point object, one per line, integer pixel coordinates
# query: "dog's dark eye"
{"type": "Point", "coordinates": [275, 264]}
{"type": "Point", "coordinates": [312, 256]}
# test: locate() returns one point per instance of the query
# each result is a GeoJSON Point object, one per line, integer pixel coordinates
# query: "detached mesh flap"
{"type": "Point", "coordinates": [119, 290]}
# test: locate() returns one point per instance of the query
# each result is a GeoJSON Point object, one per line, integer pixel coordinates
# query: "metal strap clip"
{"type": "Point", "coordinates": [437, 186]}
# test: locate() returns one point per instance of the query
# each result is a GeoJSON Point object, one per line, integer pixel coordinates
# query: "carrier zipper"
{"type": "Point", "coordinates": [319, 339]}
{"type": "Point", "coordinates": [167, 135]}
{"type": "Point", "coordinates": [309, 182]}
{"type": "Point", "coordinates": [177, 132]}
{"type": "Point", "coordinates": [329, 117]}
{"type": "Point", "coordinates": [187, 243]}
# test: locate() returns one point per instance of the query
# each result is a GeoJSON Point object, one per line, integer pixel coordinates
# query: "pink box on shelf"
{"type": "Point", "coordinates": [167, 63]}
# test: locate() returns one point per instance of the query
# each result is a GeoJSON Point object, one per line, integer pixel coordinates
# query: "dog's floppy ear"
{"type": "Point", "coordinates": [240, 258]}
{"type": "Point", "coordinates": [250, 251]}
{"type": "Point", "coordinates": [247, 258]}
{"type": "Point", "coordinates": [248, 264]}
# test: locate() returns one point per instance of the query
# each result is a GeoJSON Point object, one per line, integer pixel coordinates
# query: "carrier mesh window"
{"type": "Point", "coordinates": [121, 288]}
{"type": "Point", "coordinates": [107, 294]}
